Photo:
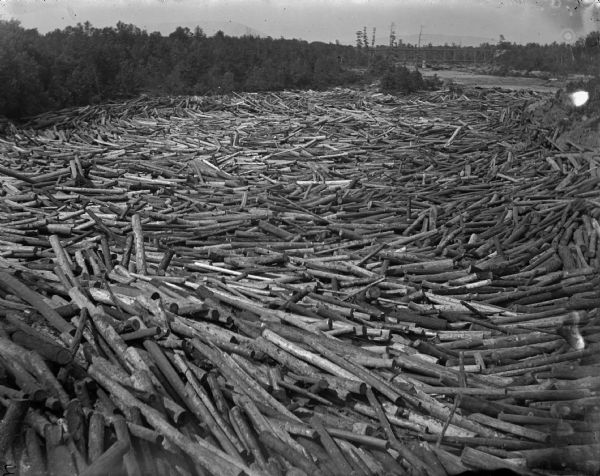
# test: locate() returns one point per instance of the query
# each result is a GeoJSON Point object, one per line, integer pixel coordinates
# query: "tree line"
{"type": "Point", "coordinates": [85, 65]}
{"type": "Point", "coordinates": [81, 64]}
{"type": "Point", "coordinates": [557, 58]}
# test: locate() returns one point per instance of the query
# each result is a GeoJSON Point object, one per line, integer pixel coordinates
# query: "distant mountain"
{"type": "Point", "coordinates": [438, 40]}
{"type": "Point", "coordinates": [230, 28]}
{"type": "Point", "coordinates": [382, 38]}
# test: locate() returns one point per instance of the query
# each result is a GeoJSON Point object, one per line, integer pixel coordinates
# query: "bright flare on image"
{"type": "Point", "coordinates": [579, 98]}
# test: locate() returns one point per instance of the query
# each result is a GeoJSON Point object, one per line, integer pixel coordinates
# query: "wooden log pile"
{"type": "Point", "coordinates": [307, 283]}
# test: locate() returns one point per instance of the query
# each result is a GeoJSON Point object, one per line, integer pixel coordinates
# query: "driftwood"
{"type": "Point", "coordinates": [324, 283]}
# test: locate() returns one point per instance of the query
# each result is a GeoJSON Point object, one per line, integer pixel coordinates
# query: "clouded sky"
{"type": "Point", "coordinates": [328, 20]}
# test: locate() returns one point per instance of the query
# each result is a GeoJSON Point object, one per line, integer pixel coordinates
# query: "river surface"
{"type": "Point", "coordinates": [487, 81]}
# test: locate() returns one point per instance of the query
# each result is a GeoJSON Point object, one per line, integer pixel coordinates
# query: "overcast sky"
{"type": "Point", "coordinates": [520, 21]}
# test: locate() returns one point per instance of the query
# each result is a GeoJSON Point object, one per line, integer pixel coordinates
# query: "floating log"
{"type": "Point", "coordinates": [377, 284]}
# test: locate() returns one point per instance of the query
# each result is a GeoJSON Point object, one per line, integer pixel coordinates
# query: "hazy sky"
{"type": "Point", "coordinates": [328, 20]}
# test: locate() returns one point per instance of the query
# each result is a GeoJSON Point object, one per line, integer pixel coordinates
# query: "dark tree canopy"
{"type": "Point", "coordinates": [82, 64]}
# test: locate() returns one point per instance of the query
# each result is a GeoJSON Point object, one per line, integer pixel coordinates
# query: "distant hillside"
{"type": "Point", "coordinates": [230, 28]}
{"type": "Point", "coordinates": [462, 40]}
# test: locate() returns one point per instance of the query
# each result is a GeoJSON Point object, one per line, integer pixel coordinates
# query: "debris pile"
{"type": "Point", "coordinates": [571, 118]}
{"type": "Point", "coordinates": [298, 283]}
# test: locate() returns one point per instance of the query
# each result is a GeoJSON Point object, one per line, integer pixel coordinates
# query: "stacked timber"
{"type": "Point", "coordinates": [299, 283]}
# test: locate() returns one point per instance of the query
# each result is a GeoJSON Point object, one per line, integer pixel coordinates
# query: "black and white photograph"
{"type": "Point", "coordinates": [299, 237]}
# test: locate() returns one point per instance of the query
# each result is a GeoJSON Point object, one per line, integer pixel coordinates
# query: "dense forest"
{"type": "Point", "coordinates": [86, 65]}
{"type": "Point", "coordinates": [556, 58]}
{"type": "Point", "coordinates": [83, 65]}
